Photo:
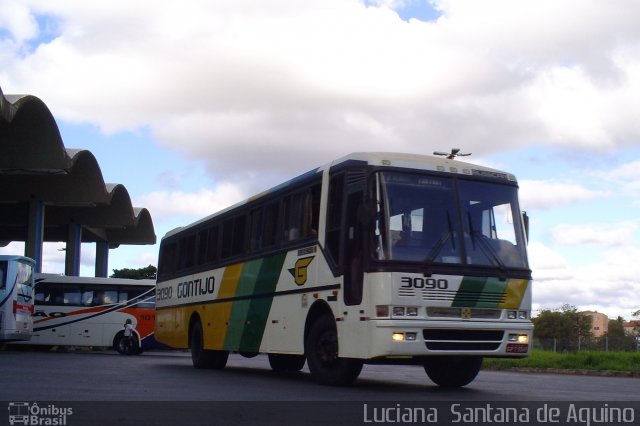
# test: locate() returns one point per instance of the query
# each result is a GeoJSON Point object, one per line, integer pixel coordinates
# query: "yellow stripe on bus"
{"type": "Point", "coordinates": [514, 293]}
{"type": "Point", "coordinates": [218, 314]}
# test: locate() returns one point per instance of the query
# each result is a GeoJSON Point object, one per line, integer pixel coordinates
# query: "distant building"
{"type": "Point", "coordinates": [599, 323]}
{"type": "Point", "coordinates": [632, 328]}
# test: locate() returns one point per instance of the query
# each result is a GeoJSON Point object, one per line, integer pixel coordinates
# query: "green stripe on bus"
{"type": "Point", "coordinates": [469, 292]}
{"type": "Point", "coordinates": [492, 293]}
{"type": "Point", "coordinates": [259, 308]}
{"type": "Point", "coordinates": [240, 308]}
{"type": "Point", "coordinates": [477, 292]}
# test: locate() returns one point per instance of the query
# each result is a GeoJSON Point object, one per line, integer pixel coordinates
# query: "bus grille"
{"type": "Point", "coordinates": [474, 313]}
{"type": "Point", "coordinates": [462, 340]}
{"type": "Point", "coordinates": [461, 298]}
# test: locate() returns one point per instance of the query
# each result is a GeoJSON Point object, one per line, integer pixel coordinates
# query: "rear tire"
{"type": "Point", "coordinates": [204, 358]}
{"type": "Point", "coordinates": [124, 348]}
{"type": "Point", "coordinates": [283, 363]}
{"type": "Point", "coordinates": [453, 371]}
{"type": "Point", "coordinates": [321, 348]}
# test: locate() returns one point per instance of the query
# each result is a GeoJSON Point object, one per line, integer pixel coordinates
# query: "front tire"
{"type": "Point", "coordinates": [321, 347]}
{"type": "Point", "coordinates": [283, 363]}
{"type": "Point", "coordinates": [453, 371]}
{"type": "Point", "coordinates": [204, 358]}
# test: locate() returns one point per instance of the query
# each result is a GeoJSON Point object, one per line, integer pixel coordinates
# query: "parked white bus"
{"type": "Point", "coordinates": [16, 298]}
{"type": "Point", "coordinates": [374, 258]}
{"type": "Point", "coordinates": [87, 311]}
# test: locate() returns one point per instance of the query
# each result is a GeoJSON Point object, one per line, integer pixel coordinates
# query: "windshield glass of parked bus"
{"type": "Point", "coordinates": [423, 218]}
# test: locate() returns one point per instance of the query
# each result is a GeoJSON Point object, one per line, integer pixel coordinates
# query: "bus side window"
{"type": "Point", "coordinates": [110, 296]}
{"type": "Point", "coordinates": [212, 244]}
{"type": "Point", "coordinates": [239, 232]}
{"type": "Point", "coordinates": [270, 228]}
{"type": "Point", "coordinates": [168, 254]}
{"type": "Point", "coordinates": [186, 252]}
{"type": "Point", "coordinates": [43, 294]}
{"type": "Point", "coordinates": [201, 251]}
{"type": "Point", "coordinates": [72, 296]}
{"type": "Point", "coordinates": [289, 231]}
{"type": "Point", "coordinates": [227, 238]}
{"type": "Point", "coordinates": [123, 295]}
{"type": "Point", "coordinates": [255, 230]}
{"type": "Point", "coordinates": [87, 297]}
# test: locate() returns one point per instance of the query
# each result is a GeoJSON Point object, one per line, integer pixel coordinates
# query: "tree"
{"type": "Point", "coordinates": [617, 339]}
{"type": "Point", "coordinates": [616, 327]}
{"type": "Point", "coordinates": [562, 328]}
{"type": "Point", "coordinates": [147, 273]}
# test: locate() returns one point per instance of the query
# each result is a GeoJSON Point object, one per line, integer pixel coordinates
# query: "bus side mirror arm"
{"type": "Point", "coordinates": [525, 221]}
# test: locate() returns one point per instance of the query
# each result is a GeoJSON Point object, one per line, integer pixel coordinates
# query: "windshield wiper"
{"type": "Point", "coordinates": [486, 248]}
{"type": "Point", "coordinates": [437, 247]}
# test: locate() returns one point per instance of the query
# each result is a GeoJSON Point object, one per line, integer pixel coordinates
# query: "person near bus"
{"type": "Point", "coordinates": [128, 336]}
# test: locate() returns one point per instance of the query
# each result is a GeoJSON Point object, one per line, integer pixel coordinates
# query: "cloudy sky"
{"type": "Point", "coordinates": [194, 105]}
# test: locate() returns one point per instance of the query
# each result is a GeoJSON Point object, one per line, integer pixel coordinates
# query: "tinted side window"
{"type": "Point", "coordinates": [270, 229]}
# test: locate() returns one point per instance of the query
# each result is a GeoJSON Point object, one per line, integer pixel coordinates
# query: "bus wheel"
{"type": "Point", "coordinates": [119, 344]}
{"type": "Point", "coordinates": [453, 371]}
{"type": "Point", "coordinates": [203, 358]}
{"type": "Point", "coordinates": [286, 363]}
{"type": "Point", "coordinates": [321, 348]}
{"type": "Point", "coordinates": [125, 347]}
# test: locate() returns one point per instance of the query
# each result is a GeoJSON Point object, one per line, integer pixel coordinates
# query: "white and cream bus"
{"type": "Point", "coordinates": [374, 258]}
{"type": "Point", "coordinates": [88, 311]}
{"type": "Point", "coordinates": [16, 298]}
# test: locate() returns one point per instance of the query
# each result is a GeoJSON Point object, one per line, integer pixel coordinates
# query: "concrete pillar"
{"type": "Point", "coordinates": [35, 233]}
{"type": "Point", "coordinates": [74, 243]}
{"type": "Point", "coordinates": [102, 259]}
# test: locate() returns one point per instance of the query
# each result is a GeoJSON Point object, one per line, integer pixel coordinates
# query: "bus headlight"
{"type": "Point", "coordinates": [521, 315]}
{"type": "Point", "coordinates": [412, 311]}
{"type": "Point", "coordinates": [399, 336]}
{"type": "Point", "coordinates": [519, 338]}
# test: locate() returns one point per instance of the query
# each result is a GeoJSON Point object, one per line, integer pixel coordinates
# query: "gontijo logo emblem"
{"type": "Point", "coordinates": [299, 271]}
{"type": "Point", "coordinates": [26, 413]}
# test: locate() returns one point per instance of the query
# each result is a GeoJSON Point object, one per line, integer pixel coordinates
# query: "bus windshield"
{"type": "Point", "coordinates": [432, 219]}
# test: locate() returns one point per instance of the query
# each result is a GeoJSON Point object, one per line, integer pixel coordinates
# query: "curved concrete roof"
{"type": "Point", "coordinates": [35, 165]}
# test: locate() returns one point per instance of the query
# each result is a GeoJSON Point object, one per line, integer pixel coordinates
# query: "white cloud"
{"type": "Point", "coordinates": [295, 84]}
{"type": "Point", "coordinates": [608, 285]}
{"type": "Point", "coordinates": [18, 20]}
{"type": "Point", "coordinates": [194, 205]}
{"type": "Point", "coordinates": [538, 194]}
{"type": "Point", "coordinates": [547, 264]}
{"type": "Point", "coordinates": [598, 235]}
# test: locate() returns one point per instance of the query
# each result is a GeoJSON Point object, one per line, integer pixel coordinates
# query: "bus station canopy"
{"type": "Point", "coordinates": [49, 193]}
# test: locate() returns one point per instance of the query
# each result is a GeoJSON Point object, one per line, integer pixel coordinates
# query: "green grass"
{"type": "Point", "coordinates": [599, 361]}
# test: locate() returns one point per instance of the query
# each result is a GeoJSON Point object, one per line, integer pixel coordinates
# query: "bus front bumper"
{"type": "Point", "coordinates": [406, 338]}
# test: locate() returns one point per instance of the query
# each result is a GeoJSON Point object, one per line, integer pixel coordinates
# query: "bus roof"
{"type": "Point", "coordinates": [416, 161]}
{"type": "Point", "coordinates": [5, 257]}
{"type": "Point", "coordinates": [382, 159]}
{"type": "Point", "coordinates": [64, 279]}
